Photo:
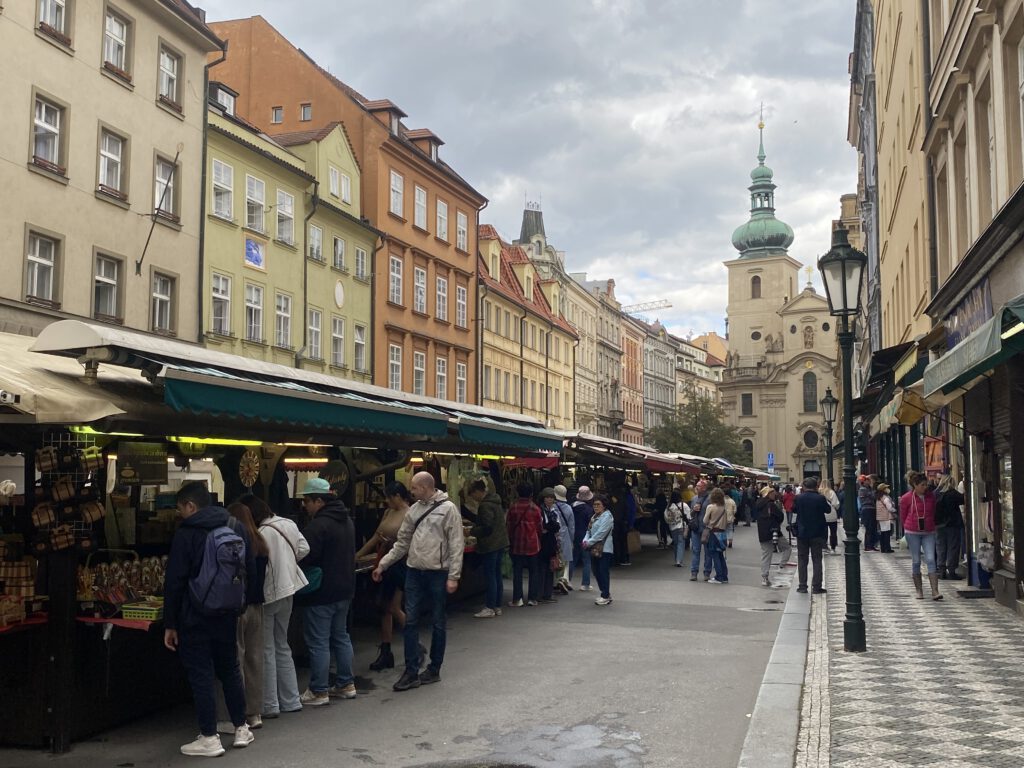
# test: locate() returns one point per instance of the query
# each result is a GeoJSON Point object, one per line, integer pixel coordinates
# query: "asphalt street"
{"type": "Point", "coordinates": [665, 676]}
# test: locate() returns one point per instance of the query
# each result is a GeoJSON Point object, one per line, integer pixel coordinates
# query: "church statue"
{"type": "Point", "coordinates": [808, 337]}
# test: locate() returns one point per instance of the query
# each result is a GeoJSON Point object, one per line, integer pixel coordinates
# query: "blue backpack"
{"type": "Point", "coordinates": [219, 587]}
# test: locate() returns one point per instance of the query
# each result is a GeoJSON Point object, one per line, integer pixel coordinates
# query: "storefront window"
{"type": "Point", "coordinates": [1006, 540]}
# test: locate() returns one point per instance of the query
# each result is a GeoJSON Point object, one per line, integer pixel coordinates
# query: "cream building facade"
{"type": "Point", "coordinates": [610, 414]}
{"type": "Point", "coordinates": [103, 145]}
{"type": "Point", "coordinates": [698, 373]}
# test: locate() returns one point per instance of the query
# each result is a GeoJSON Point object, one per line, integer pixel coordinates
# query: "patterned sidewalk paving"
{"type": "Point", "coordinates": [942, 683]}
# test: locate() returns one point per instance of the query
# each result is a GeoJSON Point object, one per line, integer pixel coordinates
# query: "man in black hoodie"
{"type": "Point", "coordinates": [205, 644]}
{"type": "Point", "coordinates": [332, 549]}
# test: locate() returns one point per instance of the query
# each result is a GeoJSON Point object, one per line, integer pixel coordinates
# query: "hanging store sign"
{"type": "Point", "coordinates": [141, 464]}
{"type": "Point", "coordinates": [970, 314]}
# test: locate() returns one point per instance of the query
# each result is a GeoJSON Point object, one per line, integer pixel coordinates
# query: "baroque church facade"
{"type": "Point", "coordinates": [782, 344]}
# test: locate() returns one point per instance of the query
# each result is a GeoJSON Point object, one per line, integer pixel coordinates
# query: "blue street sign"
{"type": "Point", "coordinates": [771, 461]}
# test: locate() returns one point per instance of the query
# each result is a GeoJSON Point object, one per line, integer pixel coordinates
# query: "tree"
{"type": "Point", "coordinates": [698, 427]}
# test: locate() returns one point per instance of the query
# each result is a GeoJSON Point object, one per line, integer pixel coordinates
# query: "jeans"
{"type": "Point", "coordinates": [494, 585]}
{"type": "Point", "coordinates": [679, 542]}
{"type": "Point", "coordinates": [422, 587]}
{"type": "Point", "coordinates": [947, 555]}
{"type": "Point", "coordinates": [695, 547]}
{"type": "Point", "coordinates": [582, 557]}
{"type": "Point", "coordinates": [716, 544]}
{"type": "Point", "coordinates": [280, 688]}
{"type": "Point", "coordinates": [768, 549]}
{"type": "Point", "coordinates": [603, 573]}
{"type": "Point", "coordinates": [529, 564]}
{"type": "Point", "coordinates": [811, 548]}
{"type": "Point", "coordinates": [870, 532]}
{"type": "Point", "coordinates": [918, 542]}
{"type": "Point", "coordinates": [326, 631]}
{"type": "Point", "coordinates": [210, 654]}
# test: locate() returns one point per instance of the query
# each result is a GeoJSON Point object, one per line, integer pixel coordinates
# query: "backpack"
{"type": "Point", "coordinates": [218, 589]}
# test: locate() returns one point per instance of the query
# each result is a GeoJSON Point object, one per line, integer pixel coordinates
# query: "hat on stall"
{"type": "Point", "coordinates": [560, 492]}
{"type": "Point", "coordinates": [548, 492]}
{"type": "Point", "coordinates": [316, 486]}
{"type": "Point", "coordinates": [584, 493]}
{"type": "Point", "coordinates": [766, 490]}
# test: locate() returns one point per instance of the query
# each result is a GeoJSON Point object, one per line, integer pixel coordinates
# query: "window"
{"type": "Point", "coordinates": [419, 300]}
{"type": "Point", "coordinates": [313, 340]}
{"type": "Point", "coordinates": [747, 404]}
{"type": "Point", "coordinates": [221, 291]}
{"type": "Point", "coordinates": [316, 243]}
{"type": "Point", "coordinates": [419, 373]}
{"type": "Point", "coordinates": [338, 341]}
{"type": "Point", "coordinates": [277, 115]}
{"type": "Point", "coordinates": [495, 267]}
{"type": "Point", "coordinates": [508, 325]}
{"type": "Point", "coordinates": [755, 287]}
{"type": "Point", "coordinates": [461, 370]}
{"type": "Point", "coordinates": [395, 281]}
{"type": "Point", "coordinates": [442, 299]}
{"type": "Point", "coordinates": [441, 381]}
{"type": "Point", "coordinates": [487, 315]}
{"type": "Point", "coordinates": [283, 320]}
{"type": "Point", "coordinates": [487, 382]}
{"type": "Point", "coordinates": [111, 167]}
{"type": "Point", "coordinates": [54, 14]}
{"type": "Point", "coordinates": [115, 43]}
{"type": "Point", "coordinates": [506, 391]}
{"type": "Point", "coordinates": [47, 144]}
{"type": "Point", "coordinates": [442, 219]}
{"type": "Point", "coordinates": [164, 201]}
{"type": "Point", "coordinates": [163, 303]}
{"type": "Point", "coordinates": [306, 112]}
{"type": "Point", "coordinates": [41, 268]}
{"type": "Point", "coordinates": [253, 313]}
{"type": "Point", "coordinates": [516, 391]}
{"type": "Point", "coordinates": [346, 188]}
{"type": "Point", "coordinates": [461, 300]}
{"type": "Point", "coordinates": [748, 450]}
{"type": "Point", "coordinates": [394, 367]}
{"type": "Point", "coordinates": [397, 191]}
{"type": "Point", "coordinates": [461, 231]}
{"type": "Point", "coordinates": [339, 254]}
{"type": "Point", "coordinates": [810, 393]}
{"type": "Point", "coordinates": [255, 201]}
{"type": "Point", "coordinates": [105, 288]}
{"type": "Point", "coordinates": [361, 263]}
{"type": "Point", "coordinates": [334, 181]}
{"type": "Point", "coordinates": [226, 100]}
{"type": "Point", "coordinates": [169, 64]}
{"type": "Point", "coordinates": [223, 190]}
{"type": "Point", "coordinates": [359, 357]}
{"type": "Point", "coordinates": [286, 218]}
{"type": "Point", "coordinates": [420, 214]}
{"type": "Point", "coordinates": [529, 287]}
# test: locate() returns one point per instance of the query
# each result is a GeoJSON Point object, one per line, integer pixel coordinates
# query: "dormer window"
{"type": "Point", "coordinates": [495, 271]}
{"type": "Point", "coordinates": [226, 100]}
{"type": "Point", "coordinates": [395, 123]}
{"type": "Point", "coordinates": [529, 287]}
{"type": "Point", "coordinates": [537, 248]}
{"type": "Point", "coordinates": [433, 151]}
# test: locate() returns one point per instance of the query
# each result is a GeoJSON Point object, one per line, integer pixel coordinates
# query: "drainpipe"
{"type": "Point", "coordinates": [373, 305]}
{"type": "Point", "coordinates": [482, 293]}
{"type": "Point", "coordinates": [522, 363]}
{"type": "Point", "coordinates": [933, 249]}
{"type": "Point", "coordinates": [200, 288]}
{"type": "Point", "coordinates": [301, 354]}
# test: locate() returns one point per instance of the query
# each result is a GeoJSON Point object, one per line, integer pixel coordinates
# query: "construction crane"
{"type": "Point", "coordinates": [639, 309]}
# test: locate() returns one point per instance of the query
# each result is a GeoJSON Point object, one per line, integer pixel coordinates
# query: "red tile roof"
{"type": "Point", "coordinates": [294, 138]}
{"type": "Point", "coordinates": [712, 360]}
{"type": "Point", "coordinates": [487, 232]}
{"type": "Point", "coordinates": [381, 105]}
{"type": "Point", "coordinates": [423, 133]}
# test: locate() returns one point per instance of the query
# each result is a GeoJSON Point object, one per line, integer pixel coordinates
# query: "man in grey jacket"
{"type": "Point", "coordinates": [431, 539]}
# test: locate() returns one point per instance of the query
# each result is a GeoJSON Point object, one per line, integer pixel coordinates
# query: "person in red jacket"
{"type": "Point", "coordinates": [917, 514]}
{"type": "Point", "coordinates": [524, 523]}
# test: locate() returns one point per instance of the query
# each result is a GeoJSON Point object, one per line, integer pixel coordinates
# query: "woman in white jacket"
{"type": "Point", "coordinates": [284, 579]}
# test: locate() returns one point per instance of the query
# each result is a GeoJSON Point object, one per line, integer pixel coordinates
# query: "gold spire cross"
{"type": "Point", "coordinates": [810, 271]}
{"type": "Point", "coordinates": [760, 122]}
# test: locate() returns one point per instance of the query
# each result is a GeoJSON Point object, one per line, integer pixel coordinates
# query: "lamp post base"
{"type": "Point", "coordinates": [854, 636]}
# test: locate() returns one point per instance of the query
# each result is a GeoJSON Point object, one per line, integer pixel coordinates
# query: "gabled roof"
{"type": "Point", "coordinates": [195, 18]}
{"type": "Point", "coordinates": [423, 133]}
{"type": "Point", "coordinates": [384, 105]}
{"type": "Point", "coordinates": [487, 232]}
{"type": "Point", "coordinates": [714, 361]}
{"type": "Point", "coordinates": [806, 296]}
{"type": "Point", "coordinates": [296, 138]}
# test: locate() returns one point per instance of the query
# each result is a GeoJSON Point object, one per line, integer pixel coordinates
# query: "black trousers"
{"type": "Point", "coordinates": [812, 548]}
{"type": "Point", "coordinates": [210, 656]}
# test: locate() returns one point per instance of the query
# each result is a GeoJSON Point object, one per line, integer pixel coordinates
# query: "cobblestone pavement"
{"type": "Point", "coordinates": [941, 683]}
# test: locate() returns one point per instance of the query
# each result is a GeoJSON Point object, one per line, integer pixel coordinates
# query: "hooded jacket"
{"type": "Point", "coordinates": [436, 544]}
{"type": "Point", "coordinates": [770, 515]}
{"type": "Point", "coordinates": [490, 531]}
{"type": "Point", "coordinates": [332, 546]}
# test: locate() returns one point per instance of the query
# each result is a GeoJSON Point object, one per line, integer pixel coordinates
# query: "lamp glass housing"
{"type": "Point", "coordinates": [842, 271]}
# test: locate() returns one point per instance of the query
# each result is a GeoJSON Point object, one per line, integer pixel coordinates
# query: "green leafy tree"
{"type": "Point", "coordinates": [698, 427]}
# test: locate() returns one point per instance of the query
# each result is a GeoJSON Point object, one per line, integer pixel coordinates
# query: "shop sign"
{"type": "Point", "coordinates": [970, 314]}
{"type": "Point", "coordinates": [141, 464]}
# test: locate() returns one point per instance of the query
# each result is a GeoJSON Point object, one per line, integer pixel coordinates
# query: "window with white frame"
{"type": "Point", "coordinates": [54, 14]}
{"type": "Point", "coordinates": [116, 30]}
{"type": "Point", "coordinates": [277, 115]}
{"type": "Point", "coordinates": [461, 305]}
{"type": "Point", "coordinates": [359, 347]}
{"type": "Point", "coordinates": [442, 220]}
{"type": "Point", "coordinates": [315, 325]}
{"type": "Point", "coordinates": [419, 303]}
{"type": "Point", "coordinates": [441, 311]}
{"type": "Point", "coordinates": [283, 320]}
{"type": "Point", "coordinates": [285, 217]}
{"type": "Point", "coordinates": [316, 243]}
{"type": "Point", "coordinates": [339, 254]}
{"type": "Point", "coordinates": [41, 267]}
{"type": "Point", "coordinates": [487, 383]}
{"type": "Point", "coordinates": [253, 312]}
{"type": "Point", "coordinates": [47, 145]}
{"type": "Point", "coordinates": [461, 231]}
{"type": "Point", "coordinates": [226, 100]}
{"type": "Point", "coordinates": [346, 188]}
{"type": "Point", "coordinates": [338, 341]}
{"type": "Point", "coordinates": [461, 375]}
{"type": "Point", "coordinates": [162, 308]}
{"type": "Point", "coordinates": [255, 202]}
{"type": "Point", "coordinates": [170, 66]}
{"type": "Point", "coordinates": [106, 289]}
{"type": "Point", "coordinates": [306, 113]}
{"type": "Point", "coordinates": [394, 367]}
{"type": "Point", "coordinates": [164, 188]}
{"type": "Point", "coordinates": [361, 263]}
{"type": "Point", "coordinates": [419, 373]}
{"type": "Point", "coordinates": [223, 190]}
{"type": "Point", "coordinates": [333, 181]}
{"type": "Point", "coordinates": [111, 163]}
{"type": "Point", "coordinates": [441, 382]}
{"type": "Point", "coordinates": [395, 280]}
{"type": "Point", "coordinates": [420, 215]}
{"type": "Point", "coordinates": [397, 192]}
{"type": "Point", "coordinates": [221, 294]}
{"type": "Point", "coordinates": [506, 390]}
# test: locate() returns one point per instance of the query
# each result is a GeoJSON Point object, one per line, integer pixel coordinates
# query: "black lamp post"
{"type": "Point", "coordinates": [842, 271]}
{"type": "Point", "coordinates": [829, 406]}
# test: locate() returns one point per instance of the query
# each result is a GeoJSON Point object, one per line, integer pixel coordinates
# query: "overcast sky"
{"type": "Point", "coordinates": [634, 121]}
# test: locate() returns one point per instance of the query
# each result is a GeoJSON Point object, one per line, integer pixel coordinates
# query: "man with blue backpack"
{"type": "Point", "coordinates": [204, 594]}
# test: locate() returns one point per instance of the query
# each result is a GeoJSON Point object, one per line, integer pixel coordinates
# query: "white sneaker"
{"type": "Point", "coordinates": [497, 611]}
{"type": "Point", "coordinates": [586, 588]}
{"type": "Point", "coordinates": [204, 746]}
{"type": "Point", "coordinates": [765, 581]}
{"type": "Point", "coordinates": [256, 721]}
{"type": "Point", "coordinates": [713, 580]}
{"type": "Point", "coordinates": [310, 699]}
{"type": "Point", "coordinates": [243, 737]}
{"type": "Point", "coordinates": [515, 603]}
{"type": "Point", "coordinates": [486, 613]}
{"type": "Point", "coordinates": [603, 601]}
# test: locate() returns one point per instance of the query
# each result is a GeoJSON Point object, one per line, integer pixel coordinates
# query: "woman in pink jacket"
{"type": "Point", "coordinates": [917, 514]}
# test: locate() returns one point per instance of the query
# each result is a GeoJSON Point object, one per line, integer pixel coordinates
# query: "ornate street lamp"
{"type": "Point", "coordinates": [842, 271]}
{"type": "Point", "coordinates": [829, 406]}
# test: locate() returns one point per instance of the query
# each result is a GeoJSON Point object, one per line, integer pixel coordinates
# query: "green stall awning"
{"type": "Point", "coordinates": [486, 431]}
{"type": "Point", "coordinates": [1001, 337]}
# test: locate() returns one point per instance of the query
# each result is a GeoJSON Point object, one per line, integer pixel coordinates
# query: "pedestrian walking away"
{"type": "Point", "coordinates": [917, 515]}
{"type": "Point", "coordinates": [696, 524]}
{"type": "Point", "coordinates": [582, 513]}
{"type": "Point", "coordinates": [718, 516]}
{"type": "Point", "coordinates": [832, 518]}
{"type": "Point", "coordinates": [885, 515]}
{"type": "Point", "coordinates": [770, 518]}
{"type": "Point", "coordinates": [432, 542]}
{"type": "Point", "coordinates": [810, 509]}
{"type": "Point", "coordinates": [600, 542]}
{"type": "Point", "coordinates": [676, 515]}
{"type": "Point", "coordinates": [868, 518]}
{"type": "Point", "coordinates": [524, 523]}
{"type": "Point", "coordinates": [491, 543]}
{"type": "Point", "coordinates": [949, 525]}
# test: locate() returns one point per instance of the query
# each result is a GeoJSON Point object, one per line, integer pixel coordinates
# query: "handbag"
{"type": "Point", "coordinates": [597, 547]}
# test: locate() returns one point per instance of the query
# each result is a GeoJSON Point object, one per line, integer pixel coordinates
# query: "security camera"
{"type": "Point", "coordinates": [9, 398]}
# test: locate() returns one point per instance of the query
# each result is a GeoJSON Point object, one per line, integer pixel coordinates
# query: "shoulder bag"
{"type": "Point", "coordinates": [314, 573]}
{"type": "Point", "coordinates": [597, 547]}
